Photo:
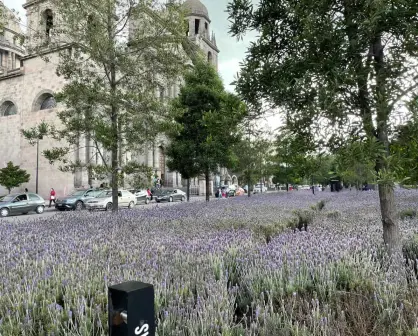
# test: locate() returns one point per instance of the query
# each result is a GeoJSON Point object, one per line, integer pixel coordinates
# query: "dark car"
{"type": "Point", "coordinates": [22, 203]}
{"type": "Point", "coordinates": [155, 192]}
{"type": "Point", "coordinates": [76, 200]}
{"type": "Point", "coordinates": [170, 195]}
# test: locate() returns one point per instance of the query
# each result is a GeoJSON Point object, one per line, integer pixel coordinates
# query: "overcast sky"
{"type": "Point", "coordinates": [232, 52]}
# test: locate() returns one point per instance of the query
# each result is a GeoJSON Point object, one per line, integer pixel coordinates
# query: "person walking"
{"type": "Point", "coordinates": [51, 197]}
{"type": "Point", "coordinates": [26, 190]}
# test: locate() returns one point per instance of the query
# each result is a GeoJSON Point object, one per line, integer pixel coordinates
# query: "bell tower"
{"type": "Point", "coordinates": [41, 21]}
{"type": "Point", "coordinates": [199, 30]}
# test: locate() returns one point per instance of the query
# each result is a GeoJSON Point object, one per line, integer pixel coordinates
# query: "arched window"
{"type": "Point", "coordinates": [8, 109]}
{"type": "Point", "coordinates": [49, 23]}
{"type": "Point", "coordinates": [45, 101]}
{"type": "Point", "coordinates": [209, 57]}
{"type": "Point", "coordinates": [48, 103]}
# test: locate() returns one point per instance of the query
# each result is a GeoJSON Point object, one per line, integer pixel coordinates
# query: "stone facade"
{"type": "Point", "coordinates": [27, 84]}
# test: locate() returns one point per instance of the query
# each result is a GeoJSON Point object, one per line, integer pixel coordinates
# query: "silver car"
{"type": "Point", "coordinates": [103, 201]}
{"type": "Point", "coordinates": [22, 203]}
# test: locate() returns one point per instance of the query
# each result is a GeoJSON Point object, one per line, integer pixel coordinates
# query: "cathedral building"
{"type": "Point", "coordinates": [27, 88]}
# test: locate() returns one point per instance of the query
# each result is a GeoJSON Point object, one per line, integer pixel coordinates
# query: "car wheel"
{"type": "Point", "coordinates": [108, 206]}
{"type": "Point", "coordinates": [79, 206]}
{"type": "Point", "coordinates": [171, 199]}
{"type": "Point", "coordinates": [183, 198]}
{"type": "Point", "coordinates": [131, 204]}
{"type": "Point", "coordinates": [4, 212]}
{"type": "Point", "coordinates": [146, 200]}
{"type": "Point", "coordinates": [40, 209]}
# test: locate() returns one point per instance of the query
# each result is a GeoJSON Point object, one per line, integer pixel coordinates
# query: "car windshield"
{"type": "Point", "coordinates": [77, 193]}
{"type": "Point", "coordinates": [106, 193]}
{"type": "Point", "coordinates": [7, 198]}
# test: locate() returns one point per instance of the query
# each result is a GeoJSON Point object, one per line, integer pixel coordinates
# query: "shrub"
{"type": "Point", "coordinates": [267, 231]}
{"type": "Point", "coordinates": [320, 205]}
{"type": "Point", "coordinates": [303, 218]}
{"type": "Point", "coordinates": [407, 213]}
{"type": "Point", "coordinates": [333, 214]}
{"type": "Point", "coordinates": [410, 253]}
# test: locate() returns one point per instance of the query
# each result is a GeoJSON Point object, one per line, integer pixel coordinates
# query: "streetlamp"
{"type": "Point", "coordinates": [37, 162]}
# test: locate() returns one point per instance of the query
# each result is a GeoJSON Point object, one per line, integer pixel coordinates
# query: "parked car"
{"type": "Point", "coordinates": [141, 196]}
{"type": "Point", "coordinates": [258, 188]}
{"type": "Point", "coordinates": [77, 199]}
{"type": "Point", "coordinates": [22, 203]}
{"type": "Point", "coordinates": [170, 195]}
{"type": "Point", "coordinates": [304, 187]}
{"type": "Point", "coordinates": [103, 201]}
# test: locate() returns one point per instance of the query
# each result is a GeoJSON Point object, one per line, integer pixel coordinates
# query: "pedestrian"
{"type": "Point", "coordinates": [26, 190]}
{"type": "Point", "coordinates": [51, 197]}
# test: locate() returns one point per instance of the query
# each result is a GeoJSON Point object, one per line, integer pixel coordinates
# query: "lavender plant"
{"type": "Point", "coordinates": [212, 273]}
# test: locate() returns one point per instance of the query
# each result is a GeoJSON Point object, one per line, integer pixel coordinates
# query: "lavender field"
{"type": "Point", "coordinates": [231, 267]}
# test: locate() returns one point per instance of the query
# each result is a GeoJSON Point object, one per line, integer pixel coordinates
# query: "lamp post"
{"type": "Point", "coordinates": [37, 162]}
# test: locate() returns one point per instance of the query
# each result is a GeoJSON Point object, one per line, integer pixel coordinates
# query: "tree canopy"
{"type": "Point", "coordinates": [205, 118]}
{"type": "Point", "coordinates": [12, 176]}
{"type": "Point", "coordinates": [336, 68]}
{"type": "Point", "coordinates": [121, 59]}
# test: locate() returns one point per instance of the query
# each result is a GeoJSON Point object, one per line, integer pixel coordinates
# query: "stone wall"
{"type": "Point", "coordinates": [24, 91]}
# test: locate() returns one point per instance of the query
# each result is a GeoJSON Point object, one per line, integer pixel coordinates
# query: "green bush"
{"type": "Point", "coordinates": [410, 253]}
{"type": "Point", "coordinates": [267, 231]}
{"type": "Point", "coordinates": [333, 214]}
{"type": "Point", "coordinates": [407, 213]}
{"type": "Point", "coordinates": [303, 218]}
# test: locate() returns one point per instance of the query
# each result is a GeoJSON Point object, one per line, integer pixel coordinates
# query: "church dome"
{"type": "Point", "coordinates": [196, 7]}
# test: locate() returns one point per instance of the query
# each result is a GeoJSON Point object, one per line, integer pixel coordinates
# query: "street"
{"type": "Point", "coordinates": [51, 211]}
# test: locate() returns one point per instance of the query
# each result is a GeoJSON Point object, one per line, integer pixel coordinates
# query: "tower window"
{"type": "Point", "coordinates": [196, 26]}
{"type": "Point", "coordinates": [210, 57]}
{"type": "Point", "coordinates": [206, 25]}
{"type": "Point", "coordinates": [49, 23]}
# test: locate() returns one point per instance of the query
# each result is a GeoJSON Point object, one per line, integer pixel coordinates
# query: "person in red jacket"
{"type": "Point", "coordinates": [51, 197]}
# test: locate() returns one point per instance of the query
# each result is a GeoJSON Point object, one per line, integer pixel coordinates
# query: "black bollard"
{"type": "Point", "coordinates": [131, 309]}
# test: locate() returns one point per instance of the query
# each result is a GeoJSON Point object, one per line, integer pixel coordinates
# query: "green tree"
{"type": "Point", "coordinates": [404, 147]}
{"type": "Point", "coordinates": [121, 57]}
{"type": "Point", "coordinates": [12, 176]}
{"type": "Point", "coordinates": [328, 63]}
{"type": "Point", "coordinates": [252, 157]}
{"type": "Point", "coordinates": [205, 124]}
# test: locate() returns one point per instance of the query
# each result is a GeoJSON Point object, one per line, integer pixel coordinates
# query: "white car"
{"type": "Point", "coordinates": [259, 188]}
{"type": "Point", "coordinates": [103, 201]}
{"type": "Point", "coordinates": [305, 187]}
{"type": "Point", "coordinates": [141, 195]}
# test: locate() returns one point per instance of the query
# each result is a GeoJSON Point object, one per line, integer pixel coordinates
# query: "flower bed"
{"type": "Point", "coordinates": [213, 273]}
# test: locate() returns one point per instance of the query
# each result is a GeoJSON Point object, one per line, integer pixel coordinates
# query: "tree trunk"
{"type": "Point", "coordinates": [248, 185]}
{"type": "Point", "coordinates": [391, 234]}
{"type": "Point", "coordinates": [207, 186]}
{"type": "Point", "coordinates": [287, 187]}
{"type": "Point", "coordinates": [188, 190]}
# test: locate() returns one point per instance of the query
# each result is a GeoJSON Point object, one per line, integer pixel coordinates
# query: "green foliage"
{"type": "Point", "coordinates": [333, 214]}
{"type": "Point", "coordinates": [268, 231]}
{"type": "Point", "coordinates": [336, 69]}
{"type": "Point", "coordinates": [302, 218]}
{"type": "Point", "coordinates": [112, 76]}
{"type": "Point", "coordinates": [253, 157]}
{"type": "Point", "coordinates": [206, 119]}
{"type": "Point", "coordinates": [405, 147]}
{"type": "Point", "coordinates": [407, 214]}
{"type": "Point", "coordinates": [12, 176]}
{"type": "Point", "coordinates": [139, 175]}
